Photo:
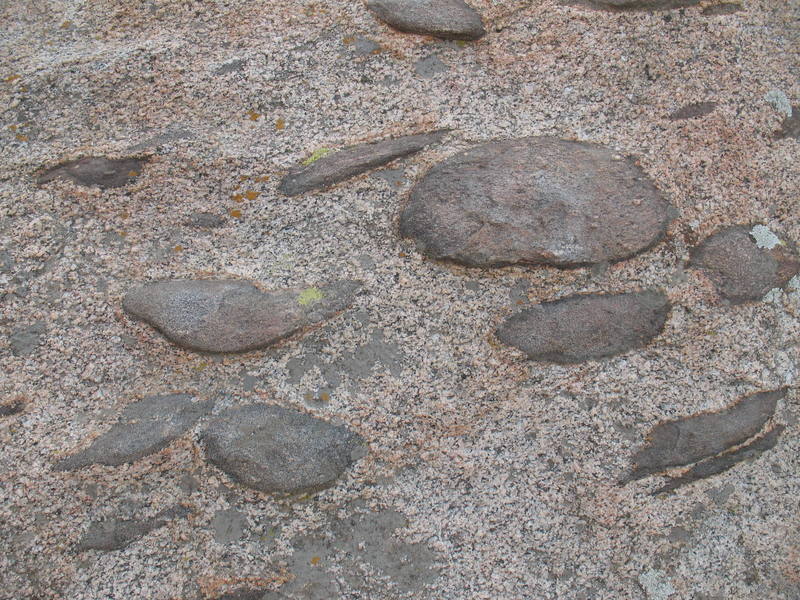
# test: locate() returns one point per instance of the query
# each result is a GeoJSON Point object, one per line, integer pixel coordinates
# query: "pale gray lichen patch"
{"type": "Point", "coordinates": [656, 585]}
{"type": "Point", "coordinates": [779, 101]}
{"type": "Point", "coordinates": [764, 237]}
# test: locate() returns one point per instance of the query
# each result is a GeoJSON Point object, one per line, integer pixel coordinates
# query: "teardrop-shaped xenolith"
{"type": "Point", "coordinates": [95, 171]}
{"type": "Point", "coordinates": [352, 161]}
{"type": "Point", "coordinates": [448, 19]}
{"type": "Point", "coordinates": [234, 316]}
{"type": "Point", "coordinates": [279, 450]}
{"type": "Point", "coordinates": [586, 327]}
{"type": "Point", "coordinates": [536, 200]}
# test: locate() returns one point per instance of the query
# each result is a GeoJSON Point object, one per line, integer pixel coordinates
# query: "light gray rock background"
{"type": "Point", "coordinates": [505, 471]}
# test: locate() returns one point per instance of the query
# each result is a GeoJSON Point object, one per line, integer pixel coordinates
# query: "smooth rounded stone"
{"type": "Point", "coordinates": [685, 441]}
{"type": "Point", "coordinates": [448, 19]}
{"type": "Point", "coordinates": [744, 262]}
{"type": "Point", "coordinates": [586, 327]}
{"type": "Point", "coordinates": [96, 170]}
{"type": "Point", "coordinates": [634, 4]}
{"type": "Point", "coordinates": [231, 315]}
{"type": "Point", "coordinates": [352, 161]}
{"type": "Point", "coordinates": [145, 427]}
{"type": "Point", "coordinates": [537, 200]}
{"type": "Point", "coordinates": [279, 450]}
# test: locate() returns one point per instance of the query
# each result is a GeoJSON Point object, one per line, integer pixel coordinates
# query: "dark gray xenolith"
{"type": "Point", "coordinates": [278, 450]}
{"type": "Point", "coordinates": [145, 427]}
{"type": "Point", "coordinates": [688, 440]}
{"type": "Point", "coordinates": [634, 4]}
{"type": "Point", "coordinates": [693, 111]}
{"type": "Point", "coordinates": [96, 170]}
{"type": "Point", "coordinates": [586, 327]}
{"type": "Point", "coordinates": [115, 534]}
{"type": "Point", "coordinates": [740, 270]}
{"type": "Point", "coordinates": [448, 19]}
{"type": "Point", "coordinates": [352, 161]}
{"type": "Point", "coordinates": [536, 200]}
{"type": "Point", "coordinates": [233, 316]}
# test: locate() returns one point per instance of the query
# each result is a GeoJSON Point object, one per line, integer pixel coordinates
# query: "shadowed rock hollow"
{"type": "Point", "coordinates": [537, 200]}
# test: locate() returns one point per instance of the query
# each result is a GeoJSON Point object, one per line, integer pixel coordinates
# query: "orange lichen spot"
{"type": "Point", "coordinates": [280, 124]}
{"type": "Point", "coordinates": [133, 173]}
{"type": "Point", "coordinates": [123, 233]}
{"type": "Point", "coordinates": [125, 214]}
{"type": "Point", "coordinates": [253, 115]}
{"type": "Point", "coordinates": [315, 560]}
{"type": "Point", "coordinates": [244, 177]}
{"type": "Point", "coordinates": [237, 198]}
{"type": "Point", "coordinates": [262, 179]}
{"type": "Point", "coordinates": [236, 213]}
{"type": "Point", "coordinates": [22, 138]}
{"type": "Point", "coordinates": [11, 78]}
{"type": "Point", "coordinates": [178, 248]}
{"type": "Point", "coordinates": [66, 24]}
{"type": "Point", "coordinates": [325, 397]}
{"type": "Point", "coordinates": [402, 254]}
{"type": "Point", "coordinates": [13, 127]}
{"type": "Point", "coordinates": [251, 195]}
{"type": "Point", "coordinates": [377, 51]}
{"type": "Point", "coordinates": [348, 40]}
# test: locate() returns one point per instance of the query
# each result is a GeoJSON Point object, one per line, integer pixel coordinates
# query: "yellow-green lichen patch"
{"type": "Point", "coordinates": [309, 296]}
{"type": "Point", "coordinates": [319, 153]}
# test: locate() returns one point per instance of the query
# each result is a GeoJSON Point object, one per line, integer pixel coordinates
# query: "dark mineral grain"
{"type": "Point", "coordinates": [448, 19]}
{"type": "Point", "coordinates": [145, 427]}
{"type": "Point", "coordinates": [586, 327]}
{"type": "Point", "coordinates": [233, 316]}
{"type": "Point", "coordinates": [535, 201]}
{"type": "Point", "coordinates": [96, 171]}
{"type": "Point", "coordinates": [279, 450]}
{"type": "Point", "coordinates": [740, 269]}
{"type": "Point", "coordinates": [352, 161]}
{"type": "Point", "coordinates": [688, 440]}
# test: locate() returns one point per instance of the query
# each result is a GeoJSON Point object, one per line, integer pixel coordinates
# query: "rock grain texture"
{"type": "Point", "coordinates": [233, 316]}
{"type": "Point", "coordinates": [688, 440]}
{"type": "Point", "coordinates": [745, 263]}
{"type": "Point", "coordinates": [448, 19]}
{"type": "Point", "coordinates": [586, 327]}
{"type": "Point", "coordinates": [145, 427]}
{"type": "Point", "coordinates": [95, 171]}
{"type": "Point", "coordinates": [352, 161]}
{"type": "Point", "coordinates": [278, 450]}
{"type": "Point", "coordinates": [537, 200]}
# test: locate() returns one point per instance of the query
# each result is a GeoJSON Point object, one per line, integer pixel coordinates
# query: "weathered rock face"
{"type": "Point", "coordinates": [746, 262]}
{"type": "Point", "coordinates": [449, 19]}
{"type": "Point", "coordinates": [115, 534]}
{"type": "Point", "coordinates": [233, 316]}
{"type": "Point", "coordinates": [634, 4]}
{"type": "Point", "coordinates": [352, 161]}
{"type": "Point", "coordinates": [278, 450]}
{"type": "Point", "coordinates": [685, 441]}
{"type": "Point", "coordinates": [145, 427]}
{"type": "Point", "coordinates": [586, 327]}
{"type": "Point", "coordinates": [536, 201]}
{"type": "Point", "coordinates": [96, 170]}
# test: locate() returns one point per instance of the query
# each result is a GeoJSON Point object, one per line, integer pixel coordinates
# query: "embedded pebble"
{"type": "Point", "coordinates": [96, 170]}
{"type": "Point", "coordinates": [145, 427]}
{"type": "Point", "coordinates": [688, 440]}
{"type": "Point", "coordinates": [537, 200]}
{"type": "Point", "coordinates": [115, 534]}
{"type": "Point", "coordinates": [693, 111]}
{"type": "Point", "coordinates": [745, 263]}
{"type": "Point", "coordinates": [586, 327]}
{"type": "Point", "coordinates": [231, 315]}
{"type": "Point", "coordinates": [352, 161]}
{"type": "Point", "coordinates": [448, 19]}
{"type": "Point", "coordinates": [279, 450]}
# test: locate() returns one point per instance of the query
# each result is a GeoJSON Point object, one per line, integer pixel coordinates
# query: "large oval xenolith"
{"type": "Point", "coordinates": [536, 201]}
{"type": "Point", "coordinates": [586, 327]}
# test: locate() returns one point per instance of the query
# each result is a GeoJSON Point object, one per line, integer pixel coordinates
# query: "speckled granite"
{"type": "Point", "coordinates": [488, 476]}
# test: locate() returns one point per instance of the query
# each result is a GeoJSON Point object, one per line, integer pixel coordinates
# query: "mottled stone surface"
{"type": "Point", "coordinates": [743, 268]}
{"type": "Point", "coordinates": [586, 327]}
{"type": "Point", "coordinates": [537, 200]}
{"type": "Point", "coordinates": [723, 462]}
{"type": "Point", "coordinates": [96, 171]}
{"type": "Point", "coordinates": [688, 440]}
{"type": "Point", "coordinates": [279, 450]}
{"type": "Point", "coordinates": [449, 19]}
{"type": "Point", "coordinates": [231, 315]}
{"type": "Point", "coordinates": [115, 534]}
{"type": "Point", "coordinates": [352, 161]}
{"type": "Point", "coordinates": [693, 111]}
{"type": "Point", "coordinates": [145, 427]}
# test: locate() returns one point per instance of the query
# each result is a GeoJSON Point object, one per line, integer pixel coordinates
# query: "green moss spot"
{"type": "Point", "coordinates": [318, 153]}
{"type": "Point", "coordinates": [310, 296]}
